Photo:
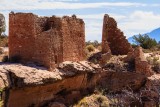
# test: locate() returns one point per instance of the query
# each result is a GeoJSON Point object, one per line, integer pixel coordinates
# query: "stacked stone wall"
{"type": "Point", "coordinates": [73, 39]}
{"type": "Point", "coordinates": [141, 64]}
{"type": "Point", "coordinates": [46, 41]}
{"type": "Point", "coordinates": [22, 36]}
{"type": "Point", "coordinates": [113, 38]}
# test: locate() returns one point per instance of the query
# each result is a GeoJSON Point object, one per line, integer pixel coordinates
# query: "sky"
{"type": "Point", "coordinates": [133, 16]}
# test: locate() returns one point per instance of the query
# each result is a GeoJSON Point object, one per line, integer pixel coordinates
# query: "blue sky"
{"type": "Point", "coordinates": [133, 16]}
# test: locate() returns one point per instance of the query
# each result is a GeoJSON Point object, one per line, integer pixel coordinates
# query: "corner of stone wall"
{"type": "Point", "coordinates": [141, 64]}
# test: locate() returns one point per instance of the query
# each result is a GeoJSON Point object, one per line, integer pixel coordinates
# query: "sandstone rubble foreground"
{"type": "Point", "coordinates": [51, 69]}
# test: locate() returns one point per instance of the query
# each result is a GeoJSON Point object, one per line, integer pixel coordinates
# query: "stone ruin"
{"type": "Point", "coordinates": [46, 41]}
{"type": "Point", "coordinates": [141, 64]}
{"type": "Point", "coordinates": [113, 38]}
{"type": "Point", "coordinates": [113, 42]}
{"type": "Point", "coordinates": [59, 43]}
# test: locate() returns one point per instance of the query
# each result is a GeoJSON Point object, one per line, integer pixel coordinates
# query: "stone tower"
{"type": "Point", "coordinates": [46, 41]}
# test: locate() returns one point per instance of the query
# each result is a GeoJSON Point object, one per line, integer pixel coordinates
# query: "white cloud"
{"type": "Point", "coordinates": [140, 22]}
{"type": "Point", "coordinates": [49, 4]}
{"type": "Point", "coordinates": [131, 24]}
{"type": "Point", "coordinates": [94, 24]}
{"type": "Point", "coordinates": [100, 16]}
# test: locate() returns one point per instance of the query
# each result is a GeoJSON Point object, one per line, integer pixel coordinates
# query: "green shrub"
{"type": "Point", "coordinates": [149, 59]}
{"type": "Point", "coordinates": [87, 52]}
{"type": "Point", "coordinates": [2, 24]}
{"type": "Point", "coordinates": [3, 41]}
{"type": "Point", "coordinates": [155, 60]}
{"type": "Point", "coordinates": [155, 63]}
{"type": "Point", "coordinates": [147, 51]}
{"type": "Point", "coordinates": [102, 100]}
{"type": "Point", "coordinates": [158, 47]}
{"type": "Point", "coordinates": [1, 103]}
{"type": "Point", "coordinates": [90, 48]}
{"type": "Point", "coordinates": [94, 43]}
{"type": "Point", "coordinates": [145, 41]}
{"type": "Point", "coordinates": [94, 100]}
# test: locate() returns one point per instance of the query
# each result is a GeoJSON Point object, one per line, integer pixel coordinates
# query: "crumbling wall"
{"type": "Point", "coordinates": [48, 43]}
{"type": "Point", "coordinates": [141, 64]}
{"type": "Point", "coordinates": [50, 52]}
{"type": "Point", "coordinates": [113, 38]}
{"type": "Point", "coordinates": [46, 40]}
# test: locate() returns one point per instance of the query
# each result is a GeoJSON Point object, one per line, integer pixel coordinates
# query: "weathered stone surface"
{"type": "Point", "coordinates": [47, 41]}
{"type": "Point", "coordinates": [65, 84]}
{"type": "Point", "coordinates": [113, 38]}
{"type": "Point", "coordinates": [141, 64]}
{"type": "Point", "coordinates": [39, 85]}
{"type": "Point", "coordinates": [154, 80]}
{"type": "Point", "coordinates": [78, 67]}
{"type": "Point", "coordinates": [4, 80]}
{"type": "Point", "coordinates": [18, 75]}
{"type": "Point", "coordinates": [94, 100]}
{"type": "Point", "coordinates": [117, 81]}
{"type": "Point", "coordinates": [150, 93]}
{"type": "Point", "coordinates": [100, 58]}
{"type": "Point", "coordinates": [153, 84]}
{"type": "Point", "coordinates": [57, 42]}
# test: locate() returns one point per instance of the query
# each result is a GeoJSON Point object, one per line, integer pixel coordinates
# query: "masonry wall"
{"type": "Point", "coordinates": [114, 37]}
{"type": "Point", "coordinates": [46, 41]}
{"type": "Point", "coordinates": [22, 35]}
{"type": "Point", "coordinates": [141, 64]}
{"type": "Point", "coordinates": [73, 38]}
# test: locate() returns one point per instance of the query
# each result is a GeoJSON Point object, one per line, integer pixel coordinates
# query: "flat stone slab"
{"type": "Point", "coordinates": [18, 75]}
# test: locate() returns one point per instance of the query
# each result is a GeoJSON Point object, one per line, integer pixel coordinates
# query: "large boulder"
{"type": "Point", "coordinates": [65, 84]}
{"type": "Point", "coordinates": [69, 81]}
